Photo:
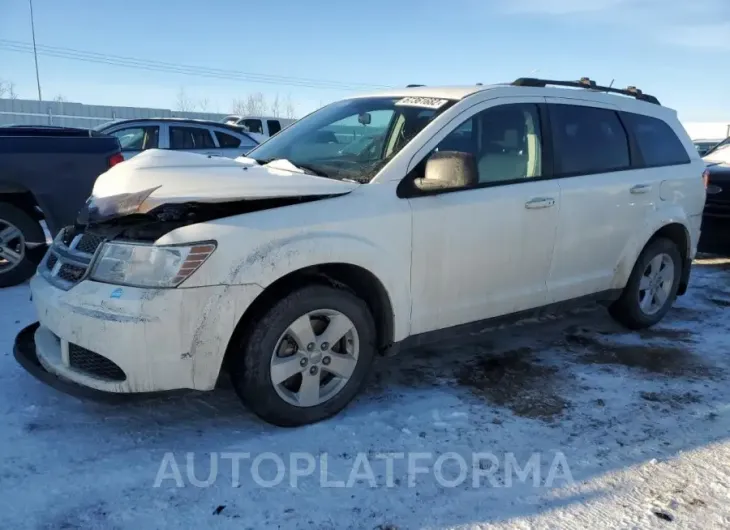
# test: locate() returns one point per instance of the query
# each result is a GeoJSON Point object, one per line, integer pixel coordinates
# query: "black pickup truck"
{"type": "Point", "coordinates": [46, 174]}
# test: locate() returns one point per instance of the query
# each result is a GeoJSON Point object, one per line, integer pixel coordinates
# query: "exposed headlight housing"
{"type": "Point", "coordinates": [138, 265]}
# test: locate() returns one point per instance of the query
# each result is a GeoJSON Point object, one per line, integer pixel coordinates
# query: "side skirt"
{"type": "Point", "coordinates": [464, 331]}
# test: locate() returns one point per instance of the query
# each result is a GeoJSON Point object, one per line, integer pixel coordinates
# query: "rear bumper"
{"type": "Point", "coordinates": [25, 353]}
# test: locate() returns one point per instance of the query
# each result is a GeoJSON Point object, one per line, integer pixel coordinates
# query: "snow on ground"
{"type": "Point", "coordinates": [638, 421]}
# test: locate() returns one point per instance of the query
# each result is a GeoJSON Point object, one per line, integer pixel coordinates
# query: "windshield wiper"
{"type": "Point", "coordinates": [304, 167]}
{"type": "Point", "coordinates": [312, 170]}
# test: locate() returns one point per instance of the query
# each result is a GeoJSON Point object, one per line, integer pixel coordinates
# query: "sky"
{"type": "Point", "coordinates": [311, 53]}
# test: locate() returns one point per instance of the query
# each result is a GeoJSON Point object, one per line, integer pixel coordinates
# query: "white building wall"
{"type": "Point", "coordinates": [67, 114]}
{"type": "Point", "coordinates": [708, 130]}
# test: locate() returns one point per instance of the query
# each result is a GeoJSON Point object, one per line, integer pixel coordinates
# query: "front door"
{"type": "Point", "coordinates": [486, 251]}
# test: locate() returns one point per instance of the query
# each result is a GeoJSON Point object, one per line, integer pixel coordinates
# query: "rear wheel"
{"type": "Point", "coordinates": [22, 242]}
{"type": "Point", "coordinates": [307, 357]}
{"type": "Point", "coordinates": [652, 286]}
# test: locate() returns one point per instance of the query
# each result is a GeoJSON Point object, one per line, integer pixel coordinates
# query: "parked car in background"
{"type": "Point", "coordinates": [716, 219]}
{"type": "Point", "coordinates": [292, 268]}
{"type": "Point", "coordinates": [265, 126]}
{"type": "Point", "coordinates": [46, 174]}
{"type": "Point", "coordinates": [198, 136]}
{"type": "Point", "coordinates": [704, 145]}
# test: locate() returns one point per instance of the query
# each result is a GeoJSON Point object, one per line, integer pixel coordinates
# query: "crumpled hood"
{"type": "Point", "coordinates": [179, 177]}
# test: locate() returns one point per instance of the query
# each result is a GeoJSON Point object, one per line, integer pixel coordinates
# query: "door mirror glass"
{"type": "Point", "coordinates": [449, 170]}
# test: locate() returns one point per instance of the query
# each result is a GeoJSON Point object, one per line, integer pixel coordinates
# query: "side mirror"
{"type": "Point", "coordinates": [365, 118]}
{"type": "Point", "coordinates": [449, 170]}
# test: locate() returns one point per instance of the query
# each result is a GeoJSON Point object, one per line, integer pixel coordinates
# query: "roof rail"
{"type": "Point", "coordinates": [585, 82]}
{"type": "Point", "coordinates": [413, 86]}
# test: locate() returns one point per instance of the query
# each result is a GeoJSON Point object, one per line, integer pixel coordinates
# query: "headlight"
{"type": "Point", "coordinates": [149, 265]}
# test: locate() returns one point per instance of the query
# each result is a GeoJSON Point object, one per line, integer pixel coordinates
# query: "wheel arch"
{"type": "Point", "coordinates": [676, 231]}
{"type": "Point", "coordinates": [679, 235]}
{"type": "Point", "coordinates": [21, 198]}
{"type": "Point", "coordinates": [353, 278]}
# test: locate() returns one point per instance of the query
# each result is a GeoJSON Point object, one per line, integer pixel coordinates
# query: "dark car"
{"type": "Point", "coordinates": [46, 174]}
{"type": "Point", "coordinates": [716, 216]}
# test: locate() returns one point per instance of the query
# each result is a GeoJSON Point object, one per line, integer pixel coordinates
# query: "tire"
{"type": "Point", "coordinates": [285, 404]}
{"type": "Point", "coordinates": [628, 310]}
{"type": "Point", "coordinates": [30, 230]}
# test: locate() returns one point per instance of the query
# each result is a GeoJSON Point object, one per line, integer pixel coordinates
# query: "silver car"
{"type": "Point", "coordinates": [198, 136]}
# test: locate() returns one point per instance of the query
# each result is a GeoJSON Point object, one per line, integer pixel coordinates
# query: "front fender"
{"type": "Point", "coordinates": [275, 259]}
{"type": "Point", "coordinates": [653, 223]}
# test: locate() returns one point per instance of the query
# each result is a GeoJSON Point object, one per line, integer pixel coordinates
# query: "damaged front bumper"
{"type": "Point", "coordinates": [125, 340]}
{"type": "Point", "coordinates": [25, 353]}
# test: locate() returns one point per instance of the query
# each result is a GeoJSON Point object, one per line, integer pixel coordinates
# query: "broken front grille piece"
{"type": "Point", "coordinates": [68, 259]}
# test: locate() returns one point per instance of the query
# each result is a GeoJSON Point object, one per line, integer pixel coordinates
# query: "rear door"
{"type": "Point", "coordinates": [603, 201]}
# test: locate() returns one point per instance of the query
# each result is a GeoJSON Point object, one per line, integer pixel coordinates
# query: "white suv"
{"type": "Point", "coordinates": [293, 268]}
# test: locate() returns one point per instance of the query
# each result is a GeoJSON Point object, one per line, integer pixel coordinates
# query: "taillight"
{"type": "Point", "coordinates": [115, 159]}
{"type": "Point", "coordinates": [706, 177]}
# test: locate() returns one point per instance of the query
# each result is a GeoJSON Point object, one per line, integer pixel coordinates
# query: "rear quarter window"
{"type": "Point", "coordinates": [227, 140]}
{"type": "Point", "coordinates": [657, 142]}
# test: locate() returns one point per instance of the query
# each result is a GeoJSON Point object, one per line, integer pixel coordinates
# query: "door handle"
{"type": "Point", "coordinates": [540, 202]}
{"type": "Point", "coordinates": [640, 188]}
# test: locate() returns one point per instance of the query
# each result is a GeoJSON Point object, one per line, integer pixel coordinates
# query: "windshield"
{"type": "Point", "coordinates": [351, 139]}
{"type": "Point", "coordinates": [722, 146]}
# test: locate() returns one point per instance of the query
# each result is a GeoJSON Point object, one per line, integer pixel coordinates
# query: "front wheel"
{"type": "Point", "coordinates": [652, 286]}
{"type": "Point", "coordinates": [306, 358]}
{"type": "Point", "coordinates": [21, 245]}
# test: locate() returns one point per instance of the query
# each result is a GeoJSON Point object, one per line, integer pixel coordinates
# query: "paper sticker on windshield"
{"type": "Point", "coordinates": [427, 103]}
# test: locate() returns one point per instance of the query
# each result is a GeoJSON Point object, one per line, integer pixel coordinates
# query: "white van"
{"type": "Point", "coordinates": [264, 125]}
{"type": "Point", "coordinates": [290, 269]}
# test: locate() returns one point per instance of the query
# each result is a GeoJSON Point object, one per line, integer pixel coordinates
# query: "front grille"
{"type": "Point", "coordinates": [89, 243]}
{"type": "Point", "coordinates": [93, 364]}
{"type": "Point", "coordinates": [71, 273]}
{"type": "Point", "coordinates": [69, 257]}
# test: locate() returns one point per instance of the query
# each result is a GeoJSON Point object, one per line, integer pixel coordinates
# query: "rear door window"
{"type": "Point", "coordinates": [274, 126]}
{"type": "Point", "coordinates": [588, 140]}
{"type": "Point", "coordinates": [190, 138]}
{"type": "Point", "coordinates": [657, 142]}
{"type": "Point", "coordinates": [254, 126]}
